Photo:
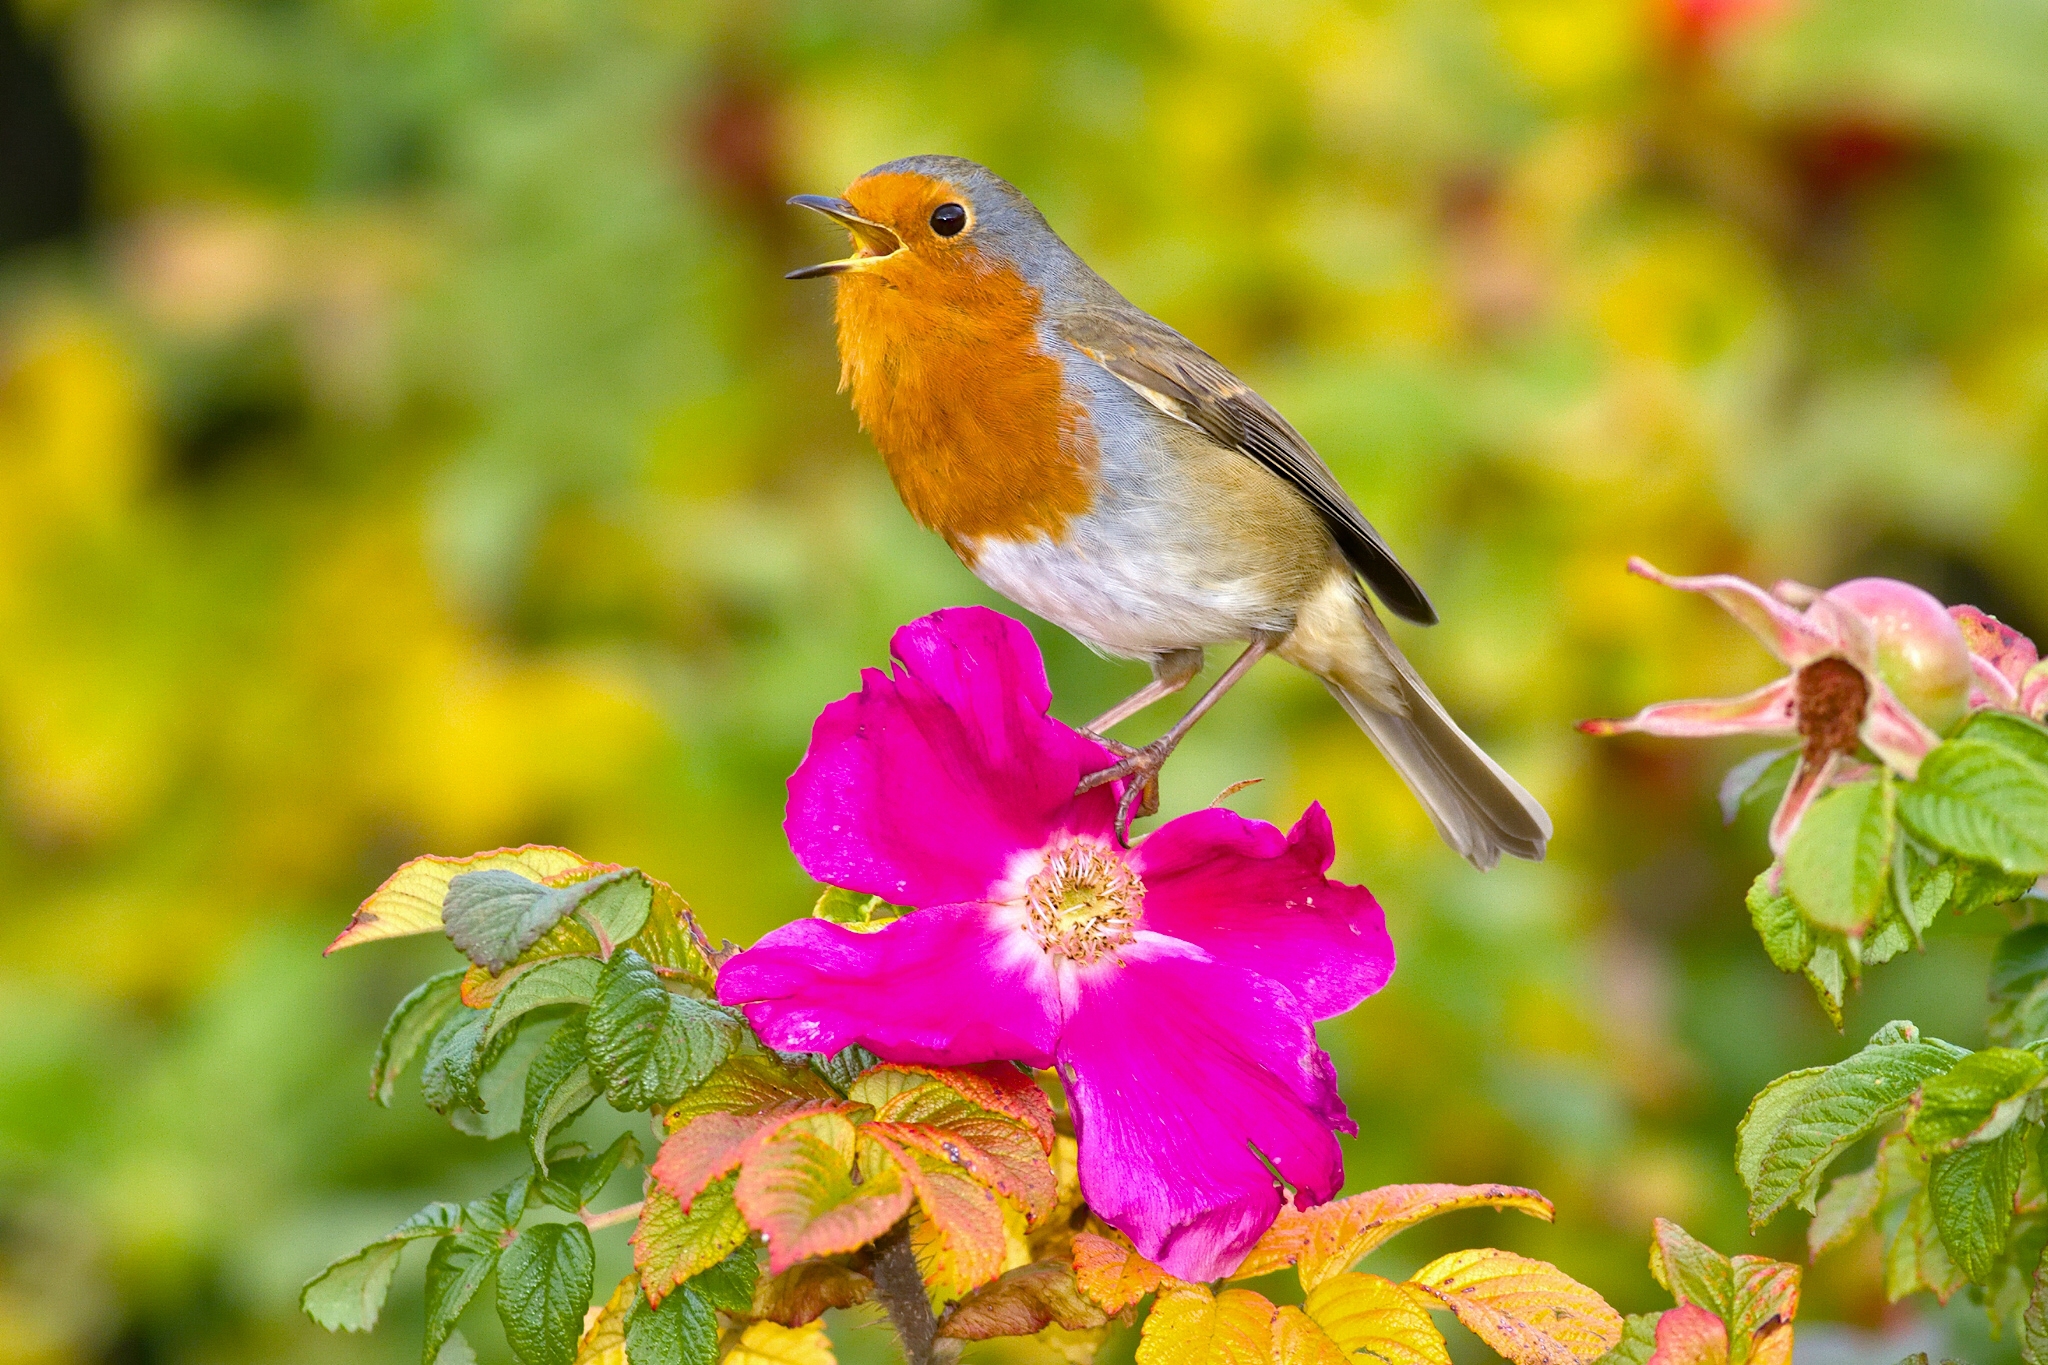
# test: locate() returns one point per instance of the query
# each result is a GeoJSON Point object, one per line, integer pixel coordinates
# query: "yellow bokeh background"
{"type": "Point", "coordinates": [409, 445]}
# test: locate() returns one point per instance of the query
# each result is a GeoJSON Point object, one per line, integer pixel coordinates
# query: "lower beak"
{"type": "Point", "coordinates": [874, 242]}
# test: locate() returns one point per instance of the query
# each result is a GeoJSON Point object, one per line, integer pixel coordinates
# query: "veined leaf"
{"type": "Point", "coordinates": [1838, 865]}
{"type": "Point", "coordinates": [455, 1060]}
{"type": "Point", "coordinates": [1787, 937]}
{"type": "Point", "coordinates": [1979, 885]}
{"type": "Point", "coordinates": [647, 1044]}
{"type": "Point", "coordinates": [1112, 1274]}
{"type": "Point", "coordinates": [559, 1086]}
{"type": "Point", "coordinates": [1766, 1300]}
{"type": "Point", "coordinates": [768, 1343]}
{"type": "Point", "coordinates": [615, 908]}
{"type": "Point", "coordinates": [670, 1246]}
{"type": "Point", "coordinates": [455, 1271]}
{"type": "Point", "coordinates": [501, 1209]}
{"type": "Point", "coordinates": [960, 1237]}
{"type": "Point", "coordinates": [1023, 1302]}
{"type": "Point", "coordinates": [1977, 1099]}
{"type": "Point", "coordinates": [990, 1149]}
{"type": "Point", "coordinates": [2019, 987]}
{"type": "Point", "coordinates": [349, 1294]}
{"type": "Point", "coordinates": [747, 1083]}
{"type": "Point", "coordinates": [604, 1341]}
{"type": "Point", "coordinates": [1370, 1316]}
{"type": "Point", "coordinates": [558, 981]}
{"type": "Point", "coordinates": [1802, 1122]}
{"type": "Point", "coordinates": [1844, 1211]}
{"type": "Point", "coordinates": [544, 1283]}
{"type": "Point", "coordinates": [804, 1291]}
{"type": "Point", "coordinates": [1189, 1325]}
{"type": "Point", "coordinates": [997, 1087]}
{"type": "Point", "coordinates": [1691, 1270]}
{"type": "Point", "coordinates": [1297, 1340]}
{"type": "Point", "coordinates": [1528, 1311]}
{"type": "Point", "coordinates": [1327, 1240]}
{"type": "Point", "coordinates": [493, 915]}
{"type": "Point", "coordinates": [1981, 801]}
{"type": "Point", "coordinates": [570, 1182]}
{"type": "Point", "coordinates": [711, 1145]}
{"type": "Point", "coordinates": [1638, 1341]}
{"type": "Point", "coordinates": [1915, 1258]}
{"type": "Point", "coordinates": [681, 1331]}
{"type": "Point", "coordinates": [1919, 891]}
{"type": "Point", "coordinates": [729, 1284]}
{"type": "Point", "coordinates": [1970, 1192]}
{"type": "Point", "coordinates": [1828, 972]}
{"type": "Point", "coordinates": [2034, 1322]}
{"type": "Point", "coordinates": [2015, 734]}
{"type": "Point", "coordinates": [844, 1067]}
{"type": "Point", "coordinates": [409, 901]}
{"type": "Point", "coordinates": [800, 1189]}
{"type": "Point", "coordinates": [415, 1020]}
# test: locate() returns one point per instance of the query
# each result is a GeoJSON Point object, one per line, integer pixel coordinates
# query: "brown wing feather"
{"type": "Point", "coordinates": [1184, 381]}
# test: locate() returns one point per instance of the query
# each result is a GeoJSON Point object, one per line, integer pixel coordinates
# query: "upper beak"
{"type": "Point", "coordinates": [873, 240]}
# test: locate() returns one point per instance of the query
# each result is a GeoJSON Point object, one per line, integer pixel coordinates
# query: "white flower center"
{"type": "Point", "coordinates": [1083, 903]}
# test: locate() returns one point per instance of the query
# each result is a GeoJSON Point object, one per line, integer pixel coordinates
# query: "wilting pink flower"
{"type": "Point", "coordinates": [1174, 985]}
{"type": "Point", "coordinates": [1873, 660]}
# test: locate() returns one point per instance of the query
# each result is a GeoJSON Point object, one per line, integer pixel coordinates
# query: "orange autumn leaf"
{"type": "Point", "coordinates": [816, 1189]}
{"type": "Point", "coordinates": [1330, 1239]}
{"type": "Point", "coordinates": [1023, 1302]}
{"type": "Point", "coordinates": [1111, 1273]}
{"type": "Point", "coordinates": [1528, 1311]}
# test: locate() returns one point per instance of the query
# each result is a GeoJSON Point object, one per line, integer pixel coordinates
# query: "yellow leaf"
{"type": "Point", "coordinates": [1298, 1341]}
{"type": "Point", "coordinates": [669, 1246]}
{"type": "Point", "coordinates": [1052, 1235]}
{"type": "Point", "coordinates": [1364, 1313]}
{"type": "Point", "coordinates": [1112, 1273]}
{"type": "Point", "coordinates": [604, 1329]}
{"type": "Point", "coordinates": [770, 1343]}
{"type": "Point", "coordinates": [409, 901]}
{"type": "Point", "coordinates": [1529, 1311]}
{"type": "Point", "coordinates": [1189, 1325]}
{"type": "Point", "coordinates": [1328, 1240]}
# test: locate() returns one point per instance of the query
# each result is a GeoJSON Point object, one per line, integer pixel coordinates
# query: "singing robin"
{"type": "Point", "coordinates": [1092, 464]}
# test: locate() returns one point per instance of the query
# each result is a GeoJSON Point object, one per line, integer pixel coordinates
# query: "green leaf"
{"type": "Point", "coordinates": [545, 1279]}
{"type": "Point", "coordinates": [2019, 986]}
{"type": "Point", "coordinates": [1916, 1259]}
{"type": "Point", "coordinates": [1838, 866]}
{"type": "Point", "coordinates": [1693, 1271]}
{"type": "Point", "coordinates": [1826, 973]}
{"type": "Point", "coordinates": [1757, 780]}
{"type": "Point", "coordinates": [1786, 936]}
{"type": "Point", "coordinates": [454, 1060]}
{"type": "Point", "coordinates": [1638, 1341]}
{"type": "Point", "coordinates": [349, 1294]}
{"type": "Point", "coordinates": [2017, 735]}
{"type": "Point", "coordinates": [501, 1082]}
{"type": "Point", "coordinates": [683, 1331]}
{"type": "Point", "coordinates": [558, 981]}
{"type": "Point", "coordinates": [671, 1247]}
{"type": "Point", "coordinates": [2034, 1322]}
{"type": "Point", "coordinates": [648, 1045]}
{"type": "Point", "coordinates": [410, 1025]}
{"type": "Point", "coordinates": [844, 1066]}
{"type": "Point", "coordinates": [495, 915]}
{"type": "Point", "coordinates": [500, 1210]}
{"type": "Point", "coordinates": [455, 1271]}
{"type": "Point", "coordinates": [1983, 802]}
{"type": "Point", "coordinates": [559, 1086]}
{"type": "Point", "coordinates": [1977, 1100]}
{"type": "Point", "coordinates": [1918, 892]}
{"type": "Point", "coordinates": [1970, 1191]}
{"type": "Point", "coordinates": [730, 1283]}
{"type": "Point", "coordinates": [1980, 885]}
{"type": "Point", "coordinates": [855, 910]}
{"type": "Point", "coordinates": [570, 1181]}
{"type": "Point", "coordinates": [1844, 1210]}
{"type": "Point", "coordinates": [1802, 1122]}
{"type": "Point", "coordinates": [616, 908]}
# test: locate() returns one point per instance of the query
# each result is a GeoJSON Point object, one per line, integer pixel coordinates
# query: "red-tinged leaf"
{"type": "Point", "coordinates": [800, 1190]}
{"type": "Point", "coordinates": [1694, 1272]}
{"type": "Point", "coordinates": [996, 1152]}
{"type": "Point", "coordinates": [747, 1083]}
{"type": "Point", "coordinates": [1297, 1340]}
{"type": "Point", "coordinates": [1112, 1273]}
{"type": "Point", "coordinates": [1188, 1325]}
{"type": "Point", "coordinates": [604, 1328]}
{"type": "Point", "coordinates": [996, 1087]}
{"type": "Point", "coordinates": [1328, 1240]}
{"type": "Point", "coordinates": [669, 1245]}
{"type": "Point", "coordinates": [409, 901]}
{"type": "Point", "coordinates": [1528, 1311]}
{"type": "Point", "coordinates": [1364, 1314]}
{"type": "Point", "coordinates": [1690, 1335]}
{"type": "Point", "coordinates": [802, 1293]}
{"type": "Point", "coordinates": [710, 1145]}
{"type": "Point", "coordinates": [1024, 1302]}
{"type": "Point", "coordinates": [962, 1240]}
{"type": "Point", "coordinates": [1766, 1295]}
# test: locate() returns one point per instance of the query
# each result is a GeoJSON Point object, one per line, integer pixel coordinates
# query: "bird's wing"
{"type": "Point", "coordinates": [1186, 383]}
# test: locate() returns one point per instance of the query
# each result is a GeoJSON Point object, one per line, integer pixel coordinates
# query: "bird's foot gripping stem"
{"type": "Point", "coordinates": [1138, 769]}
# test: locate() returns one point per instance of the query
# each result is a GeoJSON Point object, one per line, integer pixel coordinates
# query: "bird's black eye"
{"type": "Point", "coordinates": [948, 219]}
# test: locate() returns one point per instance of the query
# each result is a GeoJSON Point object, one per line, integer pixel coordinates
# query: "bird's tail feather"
{"type": "Point", "coordinates": [1480, 811]}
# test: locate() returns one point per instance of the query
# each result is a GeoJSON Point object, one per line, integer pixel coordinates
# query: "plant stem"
{"type": "Point", "coordinates": [624, 1213]}
{"type": "Point", "coordinates": [900, 1287]}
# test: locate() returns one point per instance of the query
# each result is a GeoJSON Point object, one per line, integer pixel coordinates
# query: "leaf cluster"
{"type": "Point", "coordinates": [1730, 1310]}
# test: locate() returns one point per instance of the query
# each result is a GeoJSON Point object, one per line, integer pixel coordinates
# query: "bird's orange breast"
{"type": "Point", "coordinates": [948, 377]}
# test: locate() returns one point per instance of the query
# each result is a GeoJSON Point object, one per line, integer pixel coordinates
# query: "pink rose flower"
{"type": "Point", "coordinates": [1174, 985]}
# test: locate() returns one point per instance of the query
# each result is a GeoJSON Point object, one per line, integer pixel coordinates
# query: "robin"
{"type": "Point", "coordinates": [1095, 466]}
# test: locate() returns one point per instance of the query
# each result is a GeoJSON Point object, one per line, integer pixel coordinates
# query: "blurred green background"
{"type": "Point", "coordinates": [407, 444]}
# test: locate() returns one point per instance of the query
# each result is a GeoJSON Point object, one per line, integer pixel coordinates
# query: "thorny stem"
{"type": "Point", "coordinates": [623, 1214]}
{"type": "Point", "coordinates": [900, 1286]}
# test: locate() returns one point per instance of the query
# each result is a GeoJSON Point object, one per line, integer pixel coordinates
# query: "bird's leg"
{"type": "Point", "coordinates": [1141, 767]}
{"type": "Point", "coordinates": [1171, 672]}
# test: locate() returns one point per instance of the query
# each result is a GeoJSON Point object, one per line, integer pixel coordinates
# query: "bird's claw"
{"type": "Point", "coordinates": [1138, 769]}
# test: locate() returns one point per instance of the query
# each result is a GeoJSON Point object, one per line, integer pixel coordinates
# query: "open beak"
{"type": "Point", "coordinates": [871, 240]}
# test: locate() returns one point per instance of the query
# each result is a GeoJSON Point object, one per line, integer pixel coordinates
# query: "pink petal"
{"type": "Point", "coordinates": [1253, 897]}
{"type": "Point", "coordinates": [1180, 1072]}
{"type": "Point", "coordinates": [1894, 733]}
{"type": "Point", "coordinates": [1809, 780]}
{"type": "Point", "coordinates": [1690, 1335]}
{"type": "Point", "coordinates": [1772, 709]}
{"type": "Point", "coordinates": [922, 786]}
{"type": "Point", "coordinates": [947, 986]}
{"type": "Point", "coordinates": [1787, 633]}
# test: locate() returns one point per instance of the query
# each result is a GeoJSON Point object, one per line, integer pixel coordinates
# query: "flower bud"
{"type": "Point", "coordinates": [1920, 650]}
